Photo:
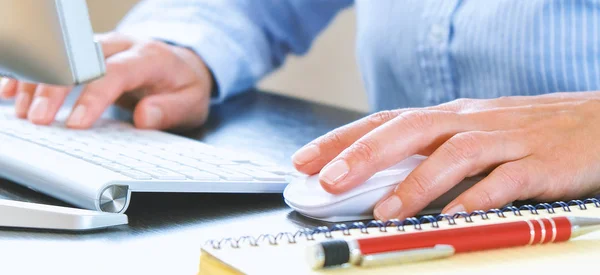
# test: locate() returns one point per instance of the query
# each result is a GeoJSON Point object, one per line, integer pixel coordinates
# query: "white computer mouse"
{"type": "Point", "coordinates": [306, 196]}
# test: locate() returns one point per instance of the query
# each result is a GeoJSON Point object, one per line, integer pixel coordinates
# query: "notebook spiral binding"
{"type": "Point", "coordinates": [416, 223]}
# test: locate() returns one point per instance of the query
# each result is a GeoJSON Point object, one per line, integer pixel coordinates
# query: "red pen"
{"type": "Point", "coordinates": [427, 245]}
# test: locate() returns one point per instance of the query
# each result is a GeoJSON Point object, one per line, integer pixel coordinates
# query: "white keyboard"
{"type": "Point", "coordinates": [99, 168]}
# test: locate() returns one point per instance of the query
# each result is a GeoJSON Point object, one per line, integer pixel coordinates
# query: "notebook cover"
{"type": "Point", "coordinates": [283, 253]}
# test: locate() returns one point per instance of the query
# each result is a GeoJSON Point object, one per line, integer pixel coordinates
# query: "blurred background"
{"type": "Point", "coordinates": [327, 74]}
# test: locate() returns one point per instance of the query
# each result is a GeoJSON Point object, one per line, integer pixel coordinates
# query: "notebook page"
{"type": "Point", "coordinates": [580, 253]}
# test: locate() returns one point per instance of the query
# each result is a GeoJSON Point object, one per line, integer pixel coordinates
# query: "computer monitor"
{"type": "Point", "coordinates": [48, 41]}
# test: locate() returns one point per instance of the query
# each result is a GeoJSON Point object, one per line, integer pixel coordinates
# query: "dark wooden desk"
{"type": "Point", "coordinates": [166, 231]}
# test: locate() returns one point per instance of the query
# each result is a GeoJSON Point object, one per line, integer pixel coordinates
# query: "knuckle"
{"type": "Point", "coordinates": [462, 102]}
{"type": "Point", "coordinates": [379, 118]}
{"type": "Point", "coordinates": [594, 103]}
{"type": "Point", "coordinates": [116, 72]}
{"type": "Point", "coordinates": [418, 119]}
{"type": "Point", "coordinates": [589, 106]}
{"type": "Point", "coordinates": [418, 185]}
{"type": "Point", "coordinates": [45, 91]}
{"type": "Point", "coordinates": [458, 105]}
{"type": "Point", "coordinates": [365, 150]}
{"type": "Point", "coordinates": [154, 48]}
{"type": "Point", "coordinates": [27, 87]}
{"type": "Point", "coordinates": [332, 139]}
{"type": "Point", "coordinates": [568, 118]}
{"type": "Point", "coordinates": [91, 99]}
{"type": "Point", "coordinates": [513, 175]}
{"type": "Point", "coordinates": [484, 199]}
{"type": "Point", "coordinates": [464, 146]}
{"type": "Point", "coordinates": [503, 100]}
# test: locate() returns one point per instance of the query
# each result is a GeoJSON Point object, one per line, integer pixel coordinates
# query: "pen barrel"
{"type": "Point", "coordinates": [474, 238]}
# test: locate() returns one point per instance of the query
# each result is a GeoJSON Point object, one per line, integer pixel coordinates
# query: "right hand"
{"type": "Point", "coordinates": [165, 86]}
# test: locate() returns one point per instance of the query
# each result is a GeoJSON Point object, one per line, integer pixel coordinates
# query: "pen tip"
{"type": "Point", "coordinates": [583, 225]}
{"type": "Point", "coordinates": [584, 221]}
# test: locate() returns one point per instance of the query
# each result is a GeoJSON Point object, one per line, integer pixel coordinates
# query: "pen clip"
{"type": "Point", "coordinates": [407, 256]}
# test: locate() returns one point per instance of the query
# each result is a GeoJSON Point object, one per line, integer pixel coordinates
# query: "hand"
{"type": "Point", "coordinates": [538, 147]}
{"type": "Point", "coordinates": [166, 87]}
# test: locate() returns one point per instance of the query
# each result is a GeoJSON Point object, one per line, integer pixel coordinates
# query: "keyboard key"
{"type": "Point", "coordinates": [133, 154]}
{"type": "Point", "coordinates": [177, 158]}
{"type": "Point", "coordinates": [202, 166]}
{"type": "Point", "coordinates": [162, 174]}
{"type": "Point", "coordinates": [231, 175]}
{"type": "Point", "coordinates": [258, 162]}
{"type": "Point", "coordinates": [142, 164]}
{"type": "Point", "coordinates": [97, 160]}
{"type": "Point", "coordinates": [217, 161]}
{"type": "Point", "coordinates": [78, 146]}
{"type": "Point", "coordinates": [199, 175]}
{"type": "Point", "coordinates": [58, 147]}
{"type": "Point", "coordinates": [78, 153]}
{"type": "Point", "coordinates": [256, 173]}
{"type": "Point", "coordinates": [171, 165]}
{"type": "Point", "coordinates": [232, 156]}
{"type": "Point", "coordinates": [157, 161]}
{"type": "Point", "coordinates": [275, 170]}
{"type": "Point", "coordinates": [136, 175]}
{"type": "Point", "coordinates": [105, 154]}
{"type": "Point", "coordinates": [167, 156]}
{"type": "Point", "coordinates": [126, 160]}
{"type": "Point", "coordinates": [115, 167]}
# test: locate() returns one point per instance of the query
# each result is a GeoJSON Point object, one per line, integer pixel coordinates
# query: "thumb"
{"type": "Point", "coordinates": [183, 109]}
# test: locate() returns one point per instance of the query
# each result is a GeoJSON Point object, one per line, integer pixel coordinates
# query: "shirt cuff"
{"type": "Point", "coordinates": [221, 55]}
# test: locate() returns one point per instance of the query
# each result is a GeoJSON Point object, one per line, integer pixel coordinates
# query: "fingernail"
{"type": "Point", "coordinates": [306, 154]}
{"type": "Point", "coordinates": [22, 103]}
{"type": "Point", "coordinates": [389, 208]}
{"type": "Point", "coordinates": [335, 172]}
{"type": "Point", "coordinates": [3, 90]}
{"type": "Point", "coordinates": [39, 108]}
{"type": "Point", "coordinates": [455, 209]}
{"type": "Point", "coordinates": [154, 116]}
{"type": "Point", "coordinates": [76, 118]}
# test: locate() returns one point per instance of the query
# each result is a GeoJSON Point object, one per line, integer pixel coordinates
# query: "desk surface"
{"type": "Point", "coordinates": [166, 231]}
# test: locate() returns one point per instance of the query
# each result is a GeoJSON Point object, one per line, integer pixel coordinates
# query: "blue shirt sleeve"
{"type": "Point", "coordinates": [241, 41]}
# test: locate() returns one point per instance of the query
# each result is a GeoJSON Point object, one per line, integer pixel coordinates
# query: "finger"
{"type": "Point", "coordinates": [46, 103]}
{"type": "Point", "coordinates": [313, 156]}
{"type": "Point", "coordinates": [396, 140]}
{"type": "Point", "coordinates": [23, 100]}
{"type": "Point", "coordinates": [8, 88]}
{"type": "Point", "coordinates": [511, 181]}
{"type": "Point", "coordinates": [463, 155]}
{"type": "Point", "coordinates": [113, 43]}
{"type": "Point", "coordinates": [126, 71]}
{"type": "Point", "coordinates": [183, 109]}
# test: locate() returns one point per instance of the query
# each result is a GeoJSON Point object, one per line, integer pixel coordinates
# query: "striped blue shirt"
{"type": "Point", "coordinates": [410, 52]}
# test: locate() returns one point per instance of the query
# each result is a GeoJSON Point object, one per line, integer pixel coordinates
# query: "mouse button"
{"type": "Point", "coordinates": [381, 179]}
{"type": "Point", "coordinates": [359, 207]}
{"type": "Point", "coordinates": [308, 193]}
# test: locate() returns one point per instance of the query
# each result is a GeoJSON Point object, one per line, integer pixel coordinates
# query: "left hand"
{"type": "Point", "coordinates": [537, 147]}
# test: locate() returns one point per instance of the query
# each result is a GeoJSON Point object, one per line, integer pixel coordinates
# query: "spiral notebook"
{"type": "Point", "coordinates": [283, 253]}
